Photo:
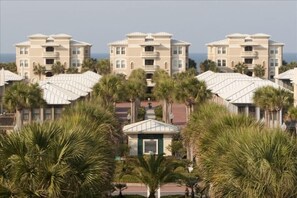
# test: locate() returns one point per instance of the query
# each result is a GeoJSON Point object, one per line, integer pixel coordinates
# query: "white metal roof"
{"type": "Point", "coordinates": [64, 88]}
{"type": "Point", "coordinates": [6, 76]}
{"type": "Point", "coordinates": [234, 87]}
{"type": "Point", "coordinates": [179, 42]}
{"type": "Point", "coordinates": [287, 75]}
{"type": "Point", "coordinates": [150, 126]}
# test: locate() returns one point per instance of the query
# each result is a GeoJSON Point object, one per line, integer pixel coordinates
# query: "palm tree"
{"type": "Point", "coordinates": [292, 115]}
{"type": "Point", "coordinates": [208, 65]}
{"type": "Point", "coordinates": [110, 89]}
{"type": "Point", "coordinates": [47, 160]}
{"type": "Point", "coordinates": [58, 68]}
{"type": "Point", "coordinates": [89, 64]}
{"type": "Point", "coordinates": [135, 88]}
{"type": "Point", "coordinates": [190, 91]}
{"type": "Point", "coordinates": [259, 71]}
{"type": "Point", "coordinates": [72, 70]}
{"type": "Point", "coordinates": [21, 95]}
{"type": "Point", "coordinates": [103, 66]}
{"type": "Point", "coordinates": [163, 90]}
{"type": "Point", "coordinates": [272, 100]}
{"type": "Point", "coordinates": [155, 171]}
{"type": "Point", "coordinates": [241, 68]}
{"type": "Point", "coordinates": [39, 70]}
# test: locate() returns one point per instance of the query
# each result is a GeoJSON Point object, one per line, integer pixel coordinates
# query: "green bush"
{"type": "Point", "coordinates": [141, 113]}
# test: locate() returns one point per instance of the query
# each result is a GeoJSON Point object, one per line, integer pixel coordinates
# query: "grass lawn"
{"type": "Point", "coordinates": [139, 196]}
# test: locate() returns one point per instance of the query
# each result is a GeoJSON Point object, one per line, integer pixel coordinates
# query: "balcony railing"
{"type": "Point", "coordinates": [150, 83]}
{"type": "Point", "coordinates": [250, 66]}
{"type": "Point", "coordinates": [249, 54]}
{"type": "Point", "coordinates": [50, 54]}
{"type": "Point", "coordinates": [151, 67]}
{"type": "Point", "coordinates": [149, 54]}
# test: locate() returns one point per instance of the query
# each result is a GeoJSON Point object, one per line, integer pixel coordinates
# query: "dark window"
{"type": "Point", "coordinates": [248, 61]}
{"type": "Point", "coordinates": [248, 48]}
{"type": "Point", "coordinates": [149, 62]}
{"type": "Point", "coordinates": [49, 49]}
{"type": "Point", "coordinates": [149, 48]}
{"type": "Point", "coordinates": [49, 61]}
{"type": "Point", "coordinates": [149, 76]}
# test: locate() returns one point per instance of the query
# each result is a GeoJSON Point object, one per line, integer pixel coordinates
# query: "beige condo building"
{"type": "Point", "coordinates": [249, 49]}
{"type": "Point", "coordinates": [47, 50]}
{"type": "Point", "coordinates": [149, 51]}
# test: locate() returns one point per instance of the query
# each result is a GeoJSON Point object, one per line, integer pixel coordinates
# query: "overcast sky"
{"type": "Point", "coordinates": [102, 22]}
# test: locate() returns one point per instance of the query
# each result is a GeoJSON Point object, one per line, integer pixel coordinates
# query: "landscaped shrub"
{"type": "Point", "coordinates": [158, 112]}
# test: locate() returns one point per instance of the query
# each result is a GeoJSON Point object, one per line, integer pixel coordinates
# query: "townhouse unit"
{"type": "Point", "coordinates": [149, 51]}
{"type": "Point", "coordinates": [235, 91]}
{"type": "Point", "coordinates": [47, 50]}
{"type": "Point", "coordinates": [249, 49]}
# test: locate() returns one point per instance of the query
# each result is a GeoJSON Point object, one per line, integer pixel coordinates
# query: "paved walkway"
{"type": "Point", "coordinates": [140, 189]}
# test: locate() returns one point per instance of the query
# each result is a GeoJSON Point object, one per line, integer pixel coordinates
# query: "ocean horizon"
{"type": "Point", "coordinates": [197, 57]}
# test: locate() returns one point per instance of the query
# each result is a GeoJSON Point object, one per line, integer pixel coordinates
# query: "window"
{"type": "Point", "coordinates": [219, 63]}
{"type": "Point", "coordinates": [49, 49]}
{"type": "Point", "coordinates": [75, 50]}
{"type": "Point", "coordinates": [248, 48]}
{"type": "Point", "coordinates": [224, 63]}
{"type": "Point", "coordinates": [273, 62]}
{"type": "Point", "coordinates": [22, 62]}
{"type": "Point", "coordinates": [47, 114]}
{"type": "Point", "coordinates": [86, 51]}
{"type": "Point", "coordinates": [111, 50]}
{"type": "Point", "coordinates": [58, 112]}
{"type": "Point", "coordinates": [132, 65]}
{"type": "Point", "coordinates": [221, 50]}
{"type": "Point", "coordinates": [26, 115]}
{"type": "Point", "coordinates": [273, 50]}
{"type": "Point", "coordinates": [180, 63]}
{"type": "Point", "coordinates": [175, 63]}
{"type": "Point", "coordinates": [150, 146]}
{"type": "Point", "coordinates": [177, 50]}
{"type": "Point", "coordinates": [248, 60]}
{"type": "Point", "coordinates": [23, 50]}
{"type": "Point", "coordinates": [36, 115]}
{"type": "Point", "coordinates": [123, 50]}
{"type": "Point", "coordinates": [120, 50]}
{"type": "Point", "coordinates": [76, 63]}
{"type": "Point", "coordinates": [120, 63]}
{"type": "Point", "coordinates": [149, 62]}
{"type": "Point", "coordinates": [26, 75]}
{"type": "Point", "coordinates": [49, 61]}
{"type": "Point", "coordinates": [26, 63]}
{"type": "Point", "coordinates": [149, 48]}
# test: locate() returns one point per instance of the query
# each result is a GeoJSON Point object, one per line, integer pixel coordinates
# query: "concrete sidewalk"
{"type": "Point", "coordinates": [140, 189]}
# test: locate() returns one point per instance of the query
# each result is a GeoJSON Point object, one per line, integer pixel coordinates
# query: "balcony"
{"type": "Point", "coordinates": [151, 67]}
{"type": "Point", "coordinates": [249, 54]}
{"type": "Point", "coordinates": [149, 54]}
{"type": "Point", "coordinates": [48, 67]}
{"type": "Point", "coordinates": [50, 54]}
{"type": "Point", "coordinates": [250, 66]}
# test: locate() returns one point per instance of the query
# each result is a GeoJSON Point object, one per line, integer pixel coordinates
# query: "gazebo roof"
{"type": "Point", "coordinates": [150, 126]}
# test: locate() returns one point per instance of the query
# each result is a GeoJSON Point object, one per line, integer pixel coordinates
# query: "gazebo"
{"type": "Point", "coordinates": [149, 136]}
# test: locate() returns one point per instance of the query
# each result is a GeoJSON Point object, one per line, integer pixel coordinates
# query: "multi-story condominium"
{"type": "Point", "coordinates": [249, 49]}
{"type": "Point", "coordinates": [149, 52]}
{"type": "Point", "coordinates": [47, 50]}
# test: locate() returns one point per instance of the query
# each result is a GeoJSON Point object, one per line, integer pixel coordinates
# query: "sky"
{"type": "Point", "coordinates": [101, 22]}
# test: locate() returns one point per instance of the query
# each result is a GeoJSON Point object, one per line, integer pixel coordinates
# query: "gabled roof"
{"type": "Point", "coordinates": [150, 126]}
{"type": "Point", "coordinates": [287, 75]}
{"type": "Point", "coordinates": [6, 76]}
{"type": "Point", "coordinates": [179, 42]}
{"type": "Point", "coordinates": [234, 87]}
{"type": "Point", "coordinates": [79, 43]}
{"type": "Point", "coordinates": [63, 89]}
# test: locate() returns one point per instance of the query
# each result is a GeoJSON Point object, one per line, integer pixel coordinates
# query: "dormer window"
{"type": "Point", "coordinates": [248, 48]}
{"type": "Point", "coordinates": [149, 48]}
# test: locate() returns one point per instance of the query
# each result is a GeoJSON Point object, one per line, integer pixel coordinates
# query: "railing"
{"type": "Point", "coordinates": [249, 54]}
{"type": "Point", "coordinates": [50, 54]}
{"type": "Point", "coordinates": [251, 66]}
{"type": "Point", "coordinates": [149, 54]}
{"type": "Point", "coordinates": [150, 83]}
{"type": "Point", "coordinates": [151, 67]}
